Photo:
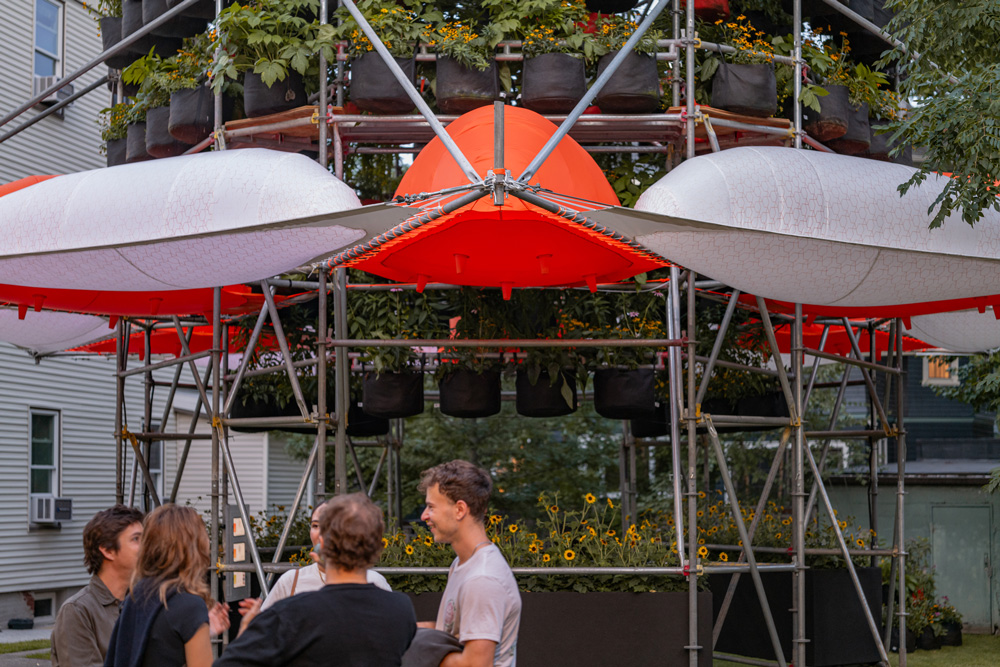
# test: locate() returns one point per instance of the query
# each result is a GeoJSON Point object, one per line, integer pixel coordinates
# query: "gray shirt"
{"type": "Point", "coordinates": [83, 626]}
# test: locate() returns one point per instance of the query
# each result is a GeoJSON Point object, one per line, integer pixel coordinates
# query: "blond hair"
{"type": "Point", "coordinates": [174, 552]}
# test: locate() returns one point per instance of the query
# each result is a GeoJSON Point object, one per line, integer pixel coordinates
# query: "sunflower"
{"type": "Point", "coordinates": [590, 498]}
{"type": "Point", "coordinates": [546, 558]}
{"type": "Point", "coordinates": [428, 541]}
{"type": "Point", "coordinates": [409, 550]}
{"type": "Point", "coordinates": [702, 551]}
{"type": "Point", "coordinates": [554, 509]}
{"type": "Point", "coordinates": [385, 543]}
{"type": "Point", "coordinates": [495, 519]}
{"type": "Point", "coordinates": [533, 548]}
{"type": "Point", "coordinates": [512, 528]}
{"type": "Point", "coordinates": [861, 543]}
{"type": "Point", "coordinates": [724, 557]}
{"type": "Point", "coordinates": [569, 554]}
{"type": "Point", "coordinates": [611, 504]}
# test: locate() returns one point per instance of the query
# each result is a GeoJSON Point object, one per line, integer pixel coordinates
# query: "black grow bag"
{"type": "Point", "coordinates": [392, 395]}
{"type": "Point", "coordinates": [611, 6]}
{"type": "Point", "coordinates": [132, 22]}
{"type": "Point", "coordinates": [624, 394]}
{"type": "Point", "coordinates": [259, 100]}
{"type": "Point", "coordinates": [179, 26]}
{"type": "Point", "coordinates": [750, 90]}
{"type": "Point", "coordinates": [255, 408]}
{"type": "Point", "coordinates": [116, 152]}
{"type": "Point", "coordinates": [135, 144]}
{"type": "Point", "coordinates": [375, 89]}
{"type": "Point", "coordinates": [205, 9]}
{"type": "Point", "coordinates": [466, 393]}
{"type": "Point", "coordinates": [362, 425]}
{"type": "Point", "coordinates": [553, 83]}
{"type": "Point", "coordinates": [192, 114]}
{"type": "Point", "coordinates": [460, 89]}
{"type": "Point", "coordinates": [159, 143]}
{"type": "Point", "coordinates": [653, 427]}
{"type": "Point", "coordinates": [544, 399]}
{"type": "Point", "coordinates": [833, 117]}
{"type": "Point", "coordinates": [111, 34]}
{"type": "Point", "coordinates": [857, 139]}
{"type": "Point", "coordinates": [634, 88]}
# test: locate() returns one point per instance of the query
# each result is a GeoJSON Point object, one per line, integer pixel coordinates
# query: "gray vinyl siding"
{"type": "Point", "coordinates": [283, 474]}
{"type": "Point", "coordinates": [53, 145]}
{"type": "Point", "coordinates": [82, 391]}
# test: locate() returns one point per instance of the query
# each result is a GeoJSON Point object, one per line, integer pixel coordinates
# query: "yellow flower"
{"type": "Point", "coordinates": [385, 543]}
{"type": "Point", "coordinates": [495, 519]}
{"type": "Point", "coordinates": [843, 524]}
{"type": "Point", "coordinates": [611, 504]}
{"type": "Point", "coordinates": [533, 548]}
{"type": "Point", "coordinates": [861, 543]}
{"type": "Point", "coordinates": [554, 509]}
{"type": "Point", "coordinates": [429, 541]}
{"type": "Point", "coordinates": [546, 558]}
{"type": "Point", "coordinates": [409, 550]}
{"type": "Point", "coordinates": [724, 557]}
{"type": "Point", "coordinates": [512, 528]}
{"type": "Point", "coordinates": [610, 533]}
{"type": "Point", "coordinates": [569, 554]}
{"type": "Point", "coordinates": [590, 498]}
{"type": "Point", "coordinates": [700, 514]}
{"type": "Point", "coordinates": [702, 552]}
{"type": "Point", "coordinates": [786, 522]}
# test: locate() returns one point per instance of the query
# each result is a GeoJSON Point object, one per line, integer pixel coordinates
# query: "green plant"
{"type": "Point", "coordinates": [460, 42]}
{"type": "Point", "coordinates": [784, 74]}
{"type": "Point", "coordinates": [624, 315]}
{"type": "Point", "coordinates": [104, 8]}
{"type": "Point", "coordinates": [553, 26]}
{"type": "Point", "coordinates": [269, 38]}
{"type": "Point", "coordinates": [612, 32]}
{"type": "Point", "coordinates": [399, 25]}
{"type": "Point", "coordinates": [114, 121]}
{"type": "Point", "coordinates": [830, 62]}
{"type": "Point", "coordinates": [482, 315]}
{"type": "Point", "coordinates": [158, 77]}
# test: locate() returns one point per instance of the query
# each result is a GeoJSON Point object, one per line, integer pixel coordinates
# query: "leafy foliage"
{"type": "Point", "coordinates": [114, 121]}
{"type": "Point", "coordinates": [399, 26]}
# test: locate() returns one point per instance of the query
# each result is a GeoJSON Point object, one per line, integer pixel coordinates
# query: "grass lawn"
{"type": "Point", "coordinates": [18, 647]}
{"type": "Point", "coordinates": [44, 655]}
{"type": "Point", "coordinates": [975, 651]}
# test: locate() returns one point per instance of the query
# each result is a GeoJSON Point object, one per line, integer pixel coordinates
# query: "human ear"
{"type": "Point", "coordinates": [109, 554]}
{"type": "Point", "coordinates": [461, 509]}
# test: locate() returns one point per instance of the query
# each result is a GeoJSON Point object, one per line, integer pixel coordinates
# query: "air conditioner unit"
{"type": "Point", "coordinates": [46, 508]}
{"type": "Point", "coordinates": [43, 83]}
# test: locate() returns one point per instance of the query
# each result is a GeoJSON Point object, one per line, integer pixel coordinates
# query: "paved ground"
{"type": "Point", "coordinates": [18, 659]}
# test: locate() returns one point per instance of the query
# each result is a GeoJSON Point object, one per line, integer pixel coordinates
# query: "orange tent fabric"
{"type": "Point", "coordinates": [22, 183]}
{"type": "Point", "coordinates": [518, 244]}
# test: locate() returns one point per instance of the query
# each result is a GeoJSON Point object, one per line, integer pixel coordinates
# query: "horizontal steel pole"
{"type": "Point", "coordinates": [54, 108]}
{"type": "Point", "coordinates": [201, 145]}
{"type": "Point", "coordinates": [534, 571]}
{"type": "Point", "coordinates": [294, 420]}
{"type": "Point", "coordinates": [180, 385]}
{"type": "Point", "coordinates": [166, 363]}
{"type": "Point", "coordinates": [120, 47]}
{"type": "Point", "coordinates": [734, 365]}
{"type": "Point", "coordinates": [809, 551]}
{"type": "Point", "coordinates": [845, 434]}
{"type": "Point", "coordinates": [816, 144]}
{"type": "Point", "coordinates": [751, 127]}
{"type": "Point", "coordinates": [306, 285]}
{"type": "Point", "coordinates": [853, 362]}
{"type": "Point", "coordinates": [748, 420]}
{"type": "Point", "coordinates": [505, 343]}
{"type": "Point", "coordinates": [725, 48]}
{"type": "Point", "coordinates": [149, 435]}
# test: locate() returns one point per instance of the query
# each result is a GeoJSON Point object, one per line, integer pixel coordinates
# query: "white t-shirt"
{"type": "Point", "coordinates": [309, 580]}
{"type": "Point", "coordinates": [481, 601]}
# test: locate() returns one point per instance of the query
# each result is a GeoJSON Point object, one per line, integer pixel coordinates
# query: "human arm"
{"type": "Point", "coordinates": [476, 653]}
{"type": "Point", "coordinates": [74, 639]}
{"type": "Point", "coordinates": [218, 619]}
{"type": "Point", "coordinates": [249, 614]}
{"type": "Point", "coordinates": [198, 649]}
{"type": "Point", "coordinates": [430, 625]}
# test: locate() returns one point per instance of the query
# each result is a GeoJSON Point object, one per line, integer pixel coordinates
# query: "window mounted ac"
{"type": "Point", "coordinates": [46, 508]}
{"type": "Point", "coordinates": [43, 83]}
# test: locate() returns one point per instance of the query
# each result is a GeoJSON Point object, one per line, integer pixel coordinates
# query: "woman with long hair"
{"type": "Point", "coordinates": [169, 616]}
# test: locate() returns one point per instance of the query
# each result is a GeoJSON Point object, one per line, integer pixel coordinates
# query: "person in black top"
{"type": "Point", "coordinates": [347, 623]}
{"type": "Point", "coordinates": [168, 617]}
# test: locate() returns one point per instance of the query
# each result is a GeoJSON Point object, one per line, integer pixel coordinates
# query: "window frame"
{"type": "Point", "coordinates": [59, 69]}
{"type": "Point", "coordinates": [56, 468]}
{"type": "Point", "coordinates": [927, 381]}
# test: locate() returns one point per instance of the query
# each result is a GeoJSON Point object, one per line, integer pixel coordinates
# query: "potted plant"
{"type": "Point", "coordinates": [747, 85]}
{"type": "Point", "coordinates": [951, 622]}
{"type": "Point", "coordinates": [157, 79]}
{"type": "Point", "coordinates": [132, 22]}
{"type": "Point", "coordinates": [555, 55]}
{"type": "Point", "coordinates": [135, 134]}
{"type": "Point", "coordinates": [635, 88]}
{"type": "Point", "coordinates": [466, 75]}
{"type": "Point", "coordinates": [179, 26]}
{"type": "Point", "coordinates": [274, 47]}
{"type": "Point", "coordinates": [114, 129]}
{"type": "Point", "coordinates": [469, 380]}
{"type": "Point", "coordinates": [109, 17]}
{"type": "Point", "coordinates": [399, 26]}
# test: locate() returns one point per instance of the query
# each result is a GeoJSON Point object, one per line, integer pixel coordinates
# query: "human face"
{"type": "Point", "coordinates": [314, 527]}
{"type": "Point", "coordinates": [441, 515]}
{"type": "Point", "coordinates": [126, 556]}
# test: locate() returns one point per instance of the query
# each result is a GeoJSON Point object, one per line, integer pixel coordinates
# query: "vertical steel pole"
{"type": "Point", "coordinates": [321, 397]}
{"type": "Point", "coordinates": [694, 645]}
{"type": "Point", "coordinates": [342, 371]}
{"type": "Point", "coordinates": [797, 76]}
{"type": "Point", "coordinates": [798, 496]}
{"type": "Point", "coordinates": [147, 413]}
{"type": "Point", "coordinates": [119, 406]}
{"type": "Point", "coordinates": [675, 64]}
{"type": "Point", "coordinates": [323, 93]}
{"type": "Point", "coordinates": [215, 527]}
{"type": "Point", "coordinates": [676, 407]}
{"type": "Point", "coordinates": [900, 494]}
{"type": "Point", "coordinates": [689, 44]}
{"type": "Point", "coordinates": [218, 120]}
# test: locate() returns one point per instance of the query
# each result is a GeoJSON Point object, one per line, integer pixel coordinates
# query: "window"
{"type": "Point", "coordinates": [154, 458]}
{"type": "Point", "coordinates": [44, 463]}
{"type": "Point", "coordinates": [48, 38]}
{"type": "Point", "coordinates": [45, 607]}
{"type": "Point", "coordinates": [940, 372]}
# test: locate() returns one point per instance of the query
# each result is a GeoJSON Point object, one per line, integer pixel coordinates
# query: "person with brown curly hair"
{"type": "Point", "coordinates": [110, 551]}
{"type": "Point", "coordinates": [361, 624]}
{"type": "Point", "coordinates": [169, 617]}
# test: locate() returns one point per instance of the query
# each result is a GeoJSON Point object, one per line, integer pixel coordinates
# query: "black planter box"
{"type": "Point", "coordinates": [553, 83]}
{"type": "Point", "coordinates": [374, 88]}
{"type": "Point", "coordinates": [259, 100]}
{"type": "Point", "coordinates": [461, 89]}
{"type": "Point", "coordinates": [655, 426]}
{"type": "Point", "coordinates": [362, 425]}
{"type": "Point", "coordinates": [624, 394]}
{"type": "Point", "coordinates": [544, 399]}
{"type": "Point", "coordinates": [392, 395]}
{"type": "Point", "coordinates": [466, 393]}
{"type": "Point", "coordinates": [835, 623]}
{"type": "Point", "coordinates": [601, 629]}
{"type": "Point", "coordinates": [635, 87]}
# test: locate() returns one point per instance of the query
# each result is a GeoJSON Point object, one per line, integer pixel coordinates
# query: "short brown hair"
{"type": "Point", "coordinates": [460, 480]}
{"type": "Point", "coordinates": [174, 552]}
{"type": "Point", "coordinates": [103, 531]}
{"type": "Point", "coordinates": [351, 526]}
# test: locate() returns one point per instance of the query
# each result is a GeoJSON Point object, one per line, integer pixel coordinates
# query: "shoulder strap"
{"type": "Point", "coordinates": [295, 582]}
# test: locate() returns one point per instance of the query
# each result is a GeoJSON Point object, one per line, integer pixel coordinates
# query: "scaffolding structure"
{"type": "Point", "coordinates": [321, 127]}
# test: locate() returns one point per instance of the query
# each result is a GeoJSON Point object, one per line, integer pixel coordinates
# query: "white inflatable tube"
{"type": "Point", "coordinates": [959, 331]}
{"type": "Point", "coordinates": [49, 331]}
{"type": "Point", "coordinates": [817, 228]}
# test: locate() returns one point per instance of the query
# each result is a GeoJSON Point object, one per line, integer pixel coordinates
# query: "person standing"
{"type": "Point", "coordinates": [84, 623]}
{"type": "Point", "coordinates": [347, 623]}
{"type": "Point", "coordinates": [481, 605]}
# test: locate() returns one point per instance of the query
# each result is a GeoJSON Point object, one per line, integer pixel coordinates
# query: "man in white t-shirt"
{"type": "Point", "coordinates": [481, 604]}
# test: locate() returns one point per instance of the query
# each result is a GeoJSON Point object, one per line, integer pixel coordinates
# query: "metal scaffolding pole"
{"type": "Point", "coordinates": [799, 638]}
{"type": "Point", "coordinates": [900, 545]}
{"type": "Point", "coordinates": [321, 397]}
{"type": "Point", "coordinates": [343, 380]}
{"type": "Point", "coordinates": [694, 644]}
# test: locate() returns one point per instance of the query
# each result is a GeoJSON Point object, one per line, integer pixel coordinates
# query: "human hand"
{"type": "Point", "coordinates": [249, 614]}
{"type": "Point", "coordinates": [218, 619]}
{"type": "Point", "coordinates": [245, 604]}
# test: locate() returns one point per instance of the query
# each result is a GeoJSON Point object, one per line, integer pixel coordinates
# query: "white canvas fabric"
{"type": "Point", "coordinates": [959, 331]}
{"type": "Point", "coordinates": [50, 331]}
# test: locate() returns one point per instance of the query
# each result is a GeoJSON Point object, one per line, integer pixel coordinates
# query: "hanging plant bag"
{"type": "Point", "coordinates": [624, 394]}
{"type": "Point", "coordinates": [655, 426]}
{"type": "Point", "coordinates": [259, 100]}
{"type": "Point", "coordinates": [611, 6]}
{"type": "Point", "coordinates": [135, 144]}
{"type": "Point", "coordinates": [392, 395]}
{"type": "Point", "coordinates": [132, 23]}
{"type": "Point", "coordinates": [159, 143]}
{"type": "Point", "coordinates": [750, 90]}
{"type": "Point", "coordinates": [553, 83]}
{"type": "Point", "coordinates": [878, 144]}
{"type": "Point", "coordinates": [771, 404]}
{"type": "Point", "coordinates": [205, 9]}
{"type": "Point", "coordinates": [374, 89]}
{"type": "Point", "coordinates": [179, 26]}
{"type": "Point", "coordinates": [544, 399]}
{"type": "Point", "coordinates": [111, 34]}
{"type": "Point", "coordinates": [857, 139]}
{"type": "Point", "coordinates": [362, 425]}
{"type": "Point", "coordinates": [634, 88]}
{"type": "Point", "coordinates": [466, 393]}
{"type": "Point", "coordinates": [116, 152]}
{"type": "Point", "coordinates": [192, 114]}
{"type": "Point", "coordinates": [264, 408]}
{"type": "Point", "coordinates": [460, 89]}
{"type": "Point", "coordinates": [831, 121]}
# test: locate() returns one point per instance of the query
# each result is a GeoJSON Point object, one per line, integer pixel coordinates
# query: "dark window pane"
{"type": "Point", "coordinates": [156, 455]}
{"type": "Point", "coordinates": [41, 481]}
{"type": "Point", "coordinates": [42, 427]}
